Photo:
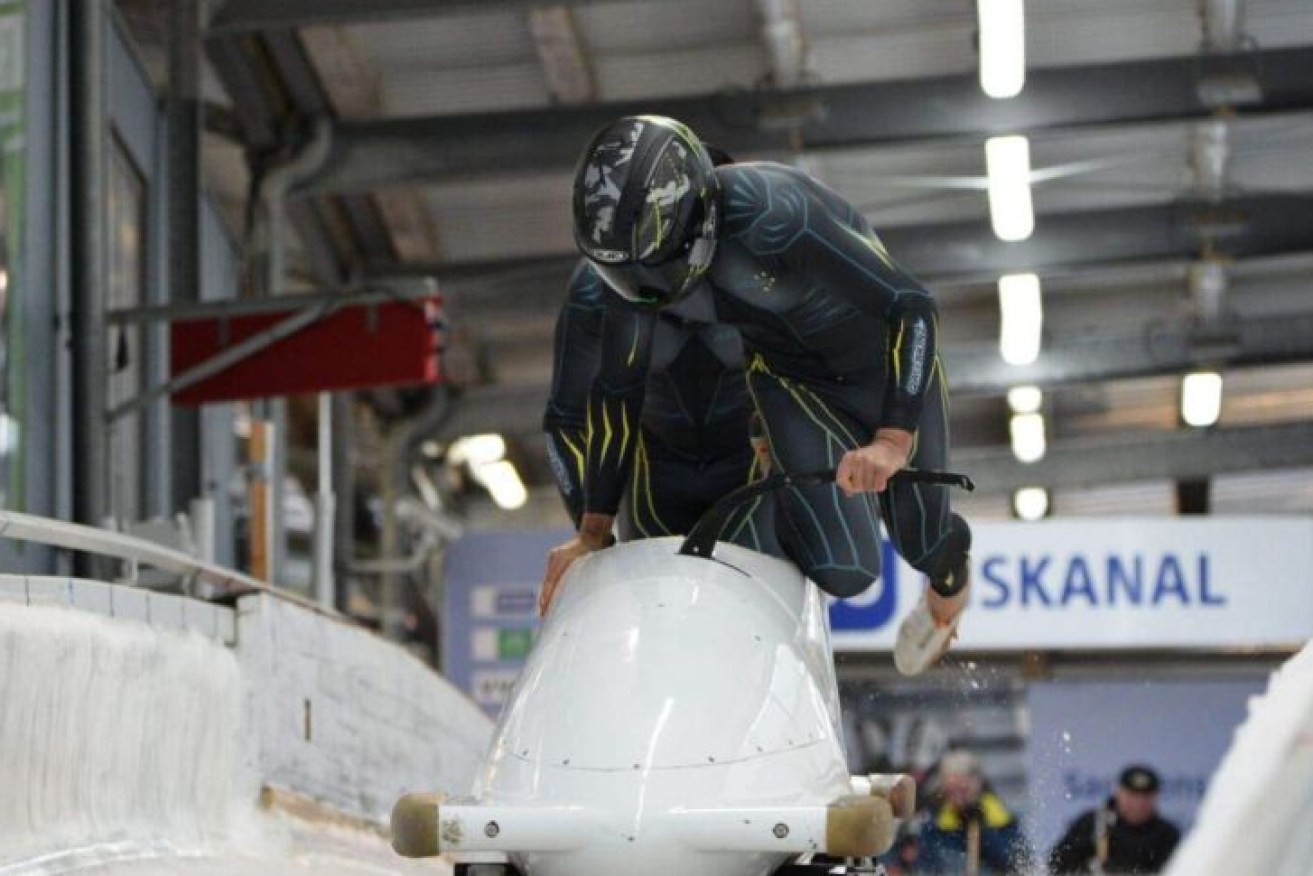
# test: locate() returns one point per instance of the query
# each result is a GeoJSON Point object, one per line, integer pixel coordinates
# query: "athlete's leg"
{"type": "Point", "coordinates": [752, 525]}
{"type": "Point", "coordinates": [833, 538]}
{"type": "Point", "coordinates": [933, 539]}
{"type": "Point", "coordinates": [669, 491]}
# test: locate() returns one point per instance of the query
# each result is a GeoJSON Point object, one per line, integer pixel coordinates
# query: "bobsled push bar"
{"type": "Point", "coordinates": [855, 826]}
{"type": "Point", "coordinates": [702, 540]}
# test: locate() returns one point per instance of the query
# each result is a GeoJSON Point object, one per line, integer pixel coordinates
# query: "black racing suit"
{"type": "Point", "coordinates": [669, 416]}
{"type": "Point", "coordinates": [840, 342]}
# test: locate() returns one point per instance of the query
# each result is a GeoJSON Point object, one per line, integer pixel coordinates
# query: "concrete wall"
{"type": "Point", "coordinates": [137, 724]}
{"type": "Point", "coordinates": [349, 719]}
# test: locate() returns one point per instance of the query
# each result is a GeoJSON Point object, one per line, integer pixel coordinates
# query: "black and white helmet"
{"type": "Point", "coordinates": [646, 206]}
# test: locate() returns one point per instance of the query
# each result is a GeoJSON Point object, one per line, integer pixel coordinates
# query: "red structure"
{"type": "Point", "coordinates": [355, 347]}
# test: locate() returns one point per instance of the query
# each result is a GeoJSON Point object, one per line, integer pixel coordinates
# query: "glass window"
{"type": "Point", "coordinates": [12, 383]}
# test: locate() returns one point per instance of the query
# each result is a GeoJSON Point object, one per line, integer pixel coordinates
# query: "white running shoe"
{"type": "Point", "coordinates": [922, 640]}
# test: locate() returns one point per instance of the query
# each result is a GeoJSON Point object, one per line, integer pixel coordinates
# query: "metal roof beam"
{"type": "Point", "coordinates": [561, 53]}
{"type": "Point", "coordinates": [1241, 227]}
{"type": "Point", "coordinates": [377, 153]}
{"type": "Point", "coordinates": [1143, 456]}
{"type": "Point", "coordinates": [237, 16]}
{"type": "Point", "coordinates": [516, 408]}
{"type": "Point", "coordinates": [1165, 349]}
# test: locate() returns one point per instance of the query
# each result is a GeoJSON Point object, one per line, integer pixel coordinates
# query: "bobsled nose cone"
{"type": "Point", "coordinates": [415, 825]}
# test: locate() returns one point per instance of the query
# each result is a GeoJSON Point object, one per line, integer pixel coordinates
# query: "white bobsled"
{"type": "Point", "coordinates": [678, 715]}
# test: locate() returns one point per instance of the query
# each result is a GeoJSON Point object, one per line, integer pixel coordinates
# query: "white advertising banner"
{"type": "Point", "coordinates": [1120, 583]}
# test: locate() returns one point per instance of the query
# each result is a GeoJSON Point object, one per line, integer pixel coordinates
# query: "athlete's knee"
{"type": "Point", "coordinates": [947, 566]}
{"type": "Point", "coordinates": [842, 583]}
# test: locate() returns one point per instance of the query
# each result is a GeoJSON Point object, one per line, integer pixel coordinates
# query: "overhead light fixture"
{"type": "Point", "coordinates": [1201, 398]}
{"type": "Point", "coordinates": [1002, 25]}
{"type": "Point", "coordinates": [1025, 399]}
{"type": "Point", "coordinates": [1021, 322]}
{"type": "Point", "coordinates": [477, 450]}
{"type": "Point", "coordinates": [1007, 161]}
{"type": "Point", "coordinates": [1028, 441]}
{"type": "Point", "coordinates": [1031, 503]}
{"type": "Point", "coordinates": [503, 483]}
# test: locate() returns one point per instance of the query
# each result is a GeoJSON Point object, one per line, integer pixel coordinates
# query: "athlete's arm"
{"type": "Point", "coordinates": [615, 405]}
{"type": "Point", "coordinates": [842, 252]}
{"type": "Point", "coordinates": [815, 234]}
{"type": "Point", "coordinates": [574, 364]}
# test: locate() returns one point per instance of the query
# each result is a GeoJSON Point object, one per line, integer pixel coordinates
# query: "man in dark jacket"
{"type": "Point", "coordinates": [1125, 835]}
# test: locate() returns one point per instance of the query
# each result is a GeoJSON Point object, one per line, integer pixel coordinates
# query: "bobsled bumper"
{"type": "Point", "coordinates": [424, 825]}
{"type": "Point", "coordinates": [899, 789]}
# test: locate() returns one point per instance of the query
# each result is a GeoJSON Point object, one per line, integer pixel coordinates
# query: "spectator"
{"type": "Point", "coordinates": [969, 831]}
{"type": "Point", "coordinates": [1125, 835]}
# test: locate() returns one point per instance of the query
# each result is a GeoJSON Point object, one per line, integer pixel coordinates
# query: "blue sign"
{"type": "Point", "coordinates": [490, 609]}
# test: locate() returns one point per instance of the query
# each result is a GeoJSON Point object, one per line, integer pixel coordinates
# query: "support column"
{"type": "Point", "coordinates": [183, 113]}
{"type": "Point", "coordinates": [88, 136]}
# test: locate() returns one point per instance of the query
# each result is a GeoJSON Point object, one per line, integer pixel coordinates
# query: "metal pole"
{"type": "Point", "coordinates": [344, 520]}
{"type": "Point", "coordinates": [324, 520]}
{"type": "Point", "coordinates": [202, 524]}
{"type": "Point", "coordinates": [183, 111]}
{"type": "Point", "coordinates": [88, 204]}
{"type": "Point", "coordinates": [262, 509]}
{"type": "Point", "coordinates": [276, 186]}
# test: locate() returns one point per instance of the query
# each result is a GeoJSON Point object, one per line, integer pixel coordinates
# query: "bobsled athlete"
{"type": "Point", "coordinates": [843, 364]}
{"type": "Point", "coordinates": [679, 439]}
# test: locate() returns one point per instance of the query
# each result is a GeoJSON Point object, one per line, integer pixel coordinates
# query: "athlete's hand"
{"type": "Point", "coordinates": [594, 534]}
{"type": "Point", "coordinates": [868, 469]}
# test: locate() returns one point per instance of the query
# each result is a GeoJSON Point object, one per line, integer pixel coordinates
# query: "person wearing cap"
{"type": "Point", "coordinates": [841, 346]}
{"type": "Point", "coordinates": [1125, 835]}
{"type": "Point", "coordinates": [969, 830]}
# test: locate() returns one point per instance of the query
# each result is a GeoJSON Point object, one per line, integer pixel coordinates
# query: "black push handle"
{"type": "Point", "coordinates": [702, 540]}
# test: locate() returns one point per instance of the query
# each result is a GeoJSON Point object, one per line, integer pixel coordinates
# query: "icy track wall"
{"type": "Point", "coordinates": [111, 728]}
{"type": "Point", "coordinates": [1257, 816]}
{"type": "Point", "coordinates": [142, 721]}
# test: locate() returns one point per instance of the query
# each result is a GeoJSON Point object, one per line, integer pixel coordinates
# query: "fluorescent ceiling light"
{"type": "Point", "coordinates": [503, 483]}
{"type": "Point", "coordinates": [1201, 398]}
{"type": "Point", "coordinates": [1021, 324]}
{"type": "Point", "coordinates": [1002, 26]}
{"type": "Point", "coordinates": [1031, 503]}
{"type": "Point", "coordinates": [1025, 399]}
{"type": "Point", "coordinates": [1028, 442]}
{"type": "Point", "coordinates": [1007, 161]}
{"type": "Point", "coordinates": [477, 450]}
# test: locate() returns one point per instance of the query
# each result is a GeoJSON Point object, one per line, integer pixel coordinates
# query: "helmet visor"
{"type": "Point", "coordinates": [652, 285]}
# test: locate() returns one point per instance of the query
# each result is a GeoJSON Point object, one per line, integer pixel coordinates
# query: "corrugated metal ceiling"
{"type": "Point", "coordinates": [486, 62]}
